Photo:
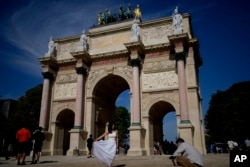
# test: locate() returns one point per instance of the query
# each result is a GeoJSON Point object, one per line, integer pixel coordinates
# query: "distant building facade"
{"type": "Point", "coordinates": [160, 68]}
{"type": "Point", "coordinates": [7, 106]}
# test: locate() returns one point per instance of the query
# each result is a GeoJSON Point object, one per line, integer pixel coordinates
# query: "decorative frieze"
{"type": "Point", "coordinates": [158, 66]}
{"type": "Point", "coordinates": [161, 80]}
{"type": "Point", "coordinates": [70, 77]}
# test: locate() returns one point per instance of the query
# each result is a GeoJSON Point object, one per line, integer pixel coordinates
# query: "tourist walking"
{"type": "Point", "coordinates": [247, 144]}
{"type": "Point", "coordinates": [232, 145]}
{"type": "Point", "coordinates": [105, 150]}
{"type": "Point", "coordinates": [157, 147]}
{"type": "Point", "coordinates": [23, 135]}
{"type": "Point", "coordinates": [186, 155]}
{"type": "Point", "coordinates": [38, 138]}
{"type": "Point", "coordinates": [90, 141]}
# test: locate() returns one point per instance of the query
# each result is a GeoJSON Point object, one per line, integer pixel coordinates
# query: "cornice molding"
{"type": "Point", "coordinates": [119, 53]}
{"type": "Point", "coordinates": [135, 46]}
{"type": "Point", "coordinates": [83, 55]}
{"type": "Point", "coordinates": [157, 48]}
{"type": "Point", "coordinates": [66, 61]}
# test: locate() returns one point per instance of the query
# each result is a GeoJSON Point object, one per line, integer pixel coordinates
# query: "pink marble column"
{"type": "Point", "coordinates": [79, 97]}
{"type": "Point", "coordinates": [136, 111]}
{"type": "Point", "coordinates": [182, 87]}
{"type": "Point", "coordinates": [44, 112]}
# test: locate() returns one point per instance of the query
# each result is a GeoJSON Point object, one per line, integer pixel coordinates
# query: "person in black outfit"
{"type": "Point", "coordinates": [5, 148]}
{"type": "Point", "coordinates": [90, 141]}
{"type": "Point", "coordinates": [38, 137]}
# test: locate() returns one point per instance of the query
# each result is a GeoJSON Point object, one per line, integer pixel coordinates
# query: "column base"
{"type": "Point", "coordinates": [137, 144]}
{"type": "Point", "coordinates": [46, 143]}
{"type": "Point", "coordinates": [78, 139]}
{"type": "Point", "coordinates": [186, 131]}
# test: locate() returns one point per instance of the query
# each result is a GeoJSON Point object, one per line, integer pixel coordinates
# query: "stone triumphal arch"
{"type": "Point", "coordinates": [84, 75]}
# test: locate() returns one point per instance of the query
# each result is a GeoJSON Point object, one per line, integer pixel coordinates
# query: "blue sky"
{"type": "Point", "coordinates": [222, 28]}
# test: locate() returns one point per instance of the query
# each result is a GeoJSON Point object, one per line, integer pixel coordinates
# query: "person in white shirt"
{"type": "Point", "coordinates": [186, 155]}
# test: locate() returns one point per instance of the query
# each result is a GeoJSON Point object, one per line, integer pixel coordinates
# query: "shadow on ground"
{"type": "Point", "coordinates": [122, 165]}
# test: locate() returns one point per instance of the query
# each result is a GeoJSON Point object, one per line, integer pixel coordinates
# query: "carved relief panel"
{"type": "Point", "coordinates": [160, 80]}
{"type": "Point", "coordinates": [65, 86]}
{"type": "Point", "coordinates": [109, 43]}
{"type": "Point", "coordinates": [157, 34]}
{"type": "Point", "coordinates": [63, 91]}
{"type": "Point", "coordinates": [64, 49]}
{"type": "Point", "coordinates": [158, 66]}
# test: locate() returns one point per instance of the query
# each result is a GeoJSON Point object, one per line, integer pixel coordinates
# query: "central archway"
{"type": "Point", "coordinates": [106, 92]}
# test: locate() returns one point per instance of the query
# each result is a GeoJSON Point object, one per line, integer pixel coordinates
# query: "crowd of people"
{"type": "Point", "coordinates": [181, 153]}
{"type": "Point", "coordinates": [230, 145]}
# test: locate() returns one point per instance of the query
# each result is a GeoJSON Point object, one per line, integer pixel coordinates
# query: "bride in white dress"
{"type": "Point", "coordinates": [105, 150]}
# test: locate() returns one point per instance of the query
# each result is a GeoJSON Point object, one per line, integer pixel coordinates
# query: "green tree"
{"type": "Point", "coordinates": [27, 111]}
{"type": "Point", "coordinates": [122, 121]}
{"type": "Point", "coordinates": [229, 113]}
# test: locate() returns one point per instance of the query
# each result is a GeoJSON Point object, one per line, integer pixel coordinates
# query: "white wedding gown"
{"type": "Point", "coordinates": [105, 150]}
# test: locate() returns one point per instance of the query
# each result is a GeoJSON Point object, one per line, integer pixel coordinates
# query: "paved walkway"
{"type": "Point", "coordinates": [211, 160]}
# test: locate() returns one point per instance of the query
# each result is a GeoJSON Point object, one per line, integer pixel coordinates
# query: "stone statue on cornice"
{"type": "Point", "coordinates": [135, 31]}
{"type": "Point", "coordinates": [177, 22]}
{"type": "Point", "coordinates": [51, 48]}
{"type": "Point", "coordinates": [84, 41]}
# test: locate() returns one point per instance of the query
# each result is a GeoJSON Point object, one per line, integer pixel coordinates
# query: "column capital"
{"type": "Point", "coordinates": [135, 62]}
{"type": "Point", "coordinates": [180, 56]}
{"type": "Point", "coordinates": [48, 75]}
{"type": "Point", "coordinates": [81, 70]}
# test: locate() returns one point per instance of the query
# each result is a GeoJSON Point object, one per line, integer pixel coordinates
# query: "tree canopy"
{"type": "Point", "coordinates": [122, 121]}
{"type": "Point", "coordinates": [27, 111]}
{"type": "Point", "coordinates": [229, 113]}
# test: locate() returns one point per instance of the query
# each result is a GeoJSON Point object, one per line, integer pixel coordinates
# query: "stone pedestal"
{"type": "Point", "coordinates": [186, 131]}
{"type": "Point", "coordinates": [137, 136]}
{"type": "Point", "coordinates": [78, 139]}
{"type": "Point", "coordinates": [46, 143]}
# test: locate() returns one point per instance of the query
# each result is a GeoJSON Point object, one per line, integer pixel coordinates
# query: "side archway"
{"type": "Point", "coordinates": [64, 122]}
{"type": "Point", "coordinates": [157, 112]}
